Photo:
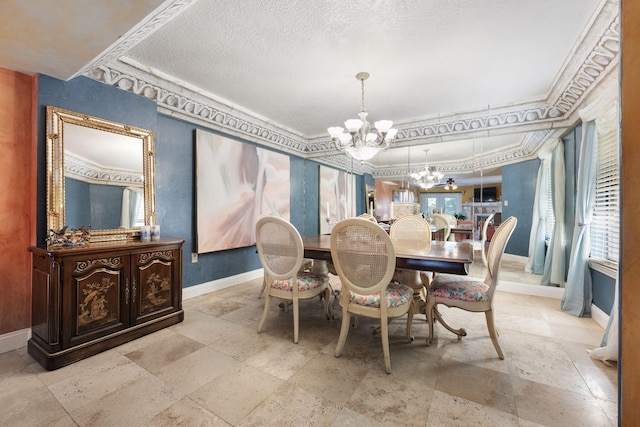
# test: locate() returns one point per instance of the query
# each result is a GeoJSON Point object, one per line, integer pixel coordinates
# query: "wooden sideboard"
{"type": "Point", "coordinates": [89, 299]}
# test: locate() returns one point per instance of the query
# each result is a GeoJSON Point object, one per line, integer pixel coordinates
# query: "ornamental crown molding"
{"type": "Point", "coordinates": [86, 171]}
{"type": "Point", "coordinates": [592, 60]}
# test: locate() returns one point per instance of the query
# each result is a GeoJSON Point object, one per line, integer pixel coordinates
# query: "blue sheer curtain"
{"type": "Point", "coordinates": [554, 263]}
{"type": "Point", "coordinates": [535, 263]}
{"type": "Point", "coordinates": [578, 291]}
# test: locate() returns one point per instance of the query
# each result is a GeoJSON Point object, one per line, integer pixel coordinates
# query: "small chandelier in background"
{"type": "Point", "coordinates": [359, 141]}
{"type": "Point", "coordinates": [427, 177]}
{"type": "Point", "coordinates": [451, 184]}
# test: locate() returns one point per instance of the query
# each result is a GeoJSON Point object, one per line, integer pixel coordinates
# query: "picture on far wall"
{"type": "Point", "coordinates": [235, 184]}
{"type": "Point", "coordinates": [337, 202]}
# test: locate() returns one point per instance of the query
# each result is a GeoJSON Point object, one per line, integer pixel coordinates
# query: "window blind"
{"type": "Point", "coordinates": [605, 224]}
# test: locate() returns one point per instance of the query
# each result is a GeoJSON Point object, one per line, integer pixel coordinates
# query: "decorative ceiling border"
{"type": "Point", "coordinates": [594, 56]}
{"type": "Point", "coordinates": [83, 170]}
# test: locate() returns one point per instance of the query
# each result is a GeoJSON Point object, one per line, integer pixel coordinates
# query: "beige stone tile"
{"type": "Point", "coordinates": [610, 408]}
{"type": "Point", "coordinates": [603, 383]}
{"type": "Point", "coordinates": [186, 413]}
{"type": "Point", "coordinates": [543, 360]}
{"type": "Point", "coordinates": [452, 411]}
{"type": "Point", "coordinates": [196, 369]}
{"type": "Point", "coordinates": [134, 403]}
{"type": "Point", "coordinates": [163, 352]}
{"type": "Point", "coordinates": [291, 405]}
{"type": "Point", "coordinates": [30, 408]}
{"type": "Point", "coordinates": [281, 358]}
{"type": "Point", "coordinates": [233, 395]}
{"type": "Point", "coordinates": [385, 399]}
{"type": "Point", "coordinates": [329, 377]}
{"type": "Point", "coordinates": [18, 381]}
{"type": "Point", "coordinates": [93, 383]}
{"type": "Point", "coordinates": [12, 361]}
{"type": "Point", "coordinates": [146, 340]}
{"type": "Point", "coordinates": [349, 418]}
{"type": "Point", "coordinates": [484, 386]}
{"type": "Point", "coordinates": [551, 406]}
{"type": "Point", "coordinates": [77, 368]}
{"type": "Point", "coordinates": [205, 328]}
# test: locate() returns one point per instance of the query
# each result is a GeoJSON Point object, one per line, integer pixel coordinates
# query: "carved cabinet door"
{"type": "Point", "coordinates": [156, 280]}
{"type": "Point", "coordinates": [95, 297]}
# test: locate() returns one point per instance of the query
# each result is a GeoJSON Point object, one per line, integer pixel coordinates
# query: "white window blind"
{"type": "Point", "coordinates": [605, 225]}
{"type": "Point", "coordinates": [551, 219]}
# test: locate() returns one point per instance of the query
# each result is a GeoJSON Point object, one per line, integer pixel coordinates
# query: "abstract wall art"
{"type": "Point", "coordinates": [235, 184]}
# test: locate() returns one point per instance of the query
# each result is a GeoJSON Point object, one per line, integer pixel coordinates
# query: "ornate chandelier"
{"type": "Point", "coordinates": [359, 141]}
{"type": "Point", "coordinates": [427, 177]}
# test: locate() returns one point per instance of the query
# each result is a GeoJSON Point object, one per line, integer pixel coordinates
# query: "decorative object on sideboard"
{"type": "Point", "coordinates": [75, 237]}
{"type": "Point", "coordinates": [359, 141]}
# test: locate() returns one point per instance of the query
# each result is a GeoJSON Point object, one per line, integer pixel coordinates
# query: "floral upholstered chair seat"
{"type": "Point", "coordinates": [306, 281]}
{"type": "Point", "coordinates": [397, 295]}
{"type": "Point", "coordinates": [461, 288]}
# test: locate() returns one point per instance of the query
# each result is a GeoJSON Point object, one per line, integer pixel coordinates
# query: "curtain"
{"type": "Point", "coordinates": [608, 349]}
{"type": "Point", "coordinates": [554, 263]}
{"type": "Point", "coordinates": [578, 290]}
{"type": "Point", "coordinates": [578, 293]}
{"type": "Point", "coordinates": [131, 199]}
{"type": "Point", "coordinates": [535, 263]}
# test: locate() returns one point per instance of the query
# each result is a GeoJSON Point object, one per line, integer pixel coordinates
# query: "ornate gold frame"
{"type": "Point", "coordinates": [56, 119]}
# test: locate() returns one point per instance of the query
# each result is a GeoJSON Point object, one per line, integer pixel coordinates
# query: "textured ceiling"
{"type": "Point", "coordinates": [465, 78]}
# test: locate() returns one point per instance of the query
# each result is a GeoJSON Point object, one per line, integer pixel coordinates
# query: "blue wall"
{"type": "Point", "coordinates": [518, 190]}
{"type": "Point", "coordinates": [175, 164]}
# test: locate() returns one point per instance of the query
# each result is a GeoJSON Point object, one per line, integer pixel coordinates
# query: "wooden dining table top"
{"type": "Point", "coordinates": [440, 256]}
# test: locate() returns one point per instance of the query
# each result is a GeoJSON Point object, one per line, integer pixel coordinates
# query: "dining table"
{"type": "Point", "coordinates": [439, 257]}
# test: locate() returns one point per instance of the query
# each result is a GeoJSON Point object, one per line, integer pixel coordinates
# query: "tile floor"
{"type": "Point", "coordinates": [214, 370]}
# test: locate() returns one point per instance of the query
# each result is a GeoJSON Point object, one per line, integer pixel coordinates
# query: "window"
{"type": "Point", "coordinates": [434, 202]}
{"type": "Point", "coordinates": [551, 219]}
{"type": "Point", "coordinates": [605, 224]}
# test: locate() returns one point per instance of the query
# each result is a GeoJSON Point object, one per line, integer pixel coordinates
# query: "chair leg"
{"type": "Point", "coordinates": [384, 334]}
{"type": "Point", "coordinates": [493, 333]}
{"type": "Point", "coordinates": [296, 320]}
{"type": "Point", "coordinates": [429, 312]}
{"type": "Point", "coordinates": [344, 330]}
{"type": "Point", "coordinates": [264, 286]}
{"type": "Point", "coordinates": [410, 313]}
{"type": "Point", "coordinates": [265, 313]}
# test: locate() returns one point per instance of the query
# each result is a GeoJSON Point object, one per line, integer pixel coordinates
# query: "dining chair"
{"type": "Point", "coordinates": [411, 231]}
{"type": "Point", "coordinates": [480, 245]}
{"type": "Point", "coordinates": [369, 217]}
{"type": "Point", "coordinates": [453, 222]}
{"type": "Point", "coordinates": [469, 294]}
{"type": "Point", "coordinates": [280, 250]}
{"type": "Point", "coordinates": [440, 223]}
{"type": "Point", "coordinates": [365, 260]}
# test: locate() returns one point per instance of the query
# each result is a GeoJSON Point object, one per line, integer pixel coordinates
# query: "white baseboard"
{"type": "Point", "coordinates": [216, 285]}
{"type": "Point", "coordinates": [529, 289]}
{"type": "Point", "coordinates": [14, 340]}
{"type": "Point", "coordinates": [599, 316]}
{"type": "Point", "coordinates": [516, 258]}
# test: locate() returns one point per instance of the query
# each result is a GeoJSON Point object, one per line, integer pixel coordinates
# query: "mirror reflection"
{"type": "Point", "coordinates": [104, 181]}
{"type": "Point", "coordinates": [99, 175]}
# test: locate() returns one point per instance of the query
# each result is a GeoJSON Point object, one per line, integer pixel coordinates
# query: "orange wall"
{"type": "Point", "coordinates": [630, 277]}
{"type": "Point", "coordinates": [17, 199]}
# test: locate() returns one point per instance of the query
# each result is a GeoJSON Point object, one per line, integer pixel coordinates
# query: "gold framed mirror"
{"type": "Point", "coordinates": [100, 174]}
